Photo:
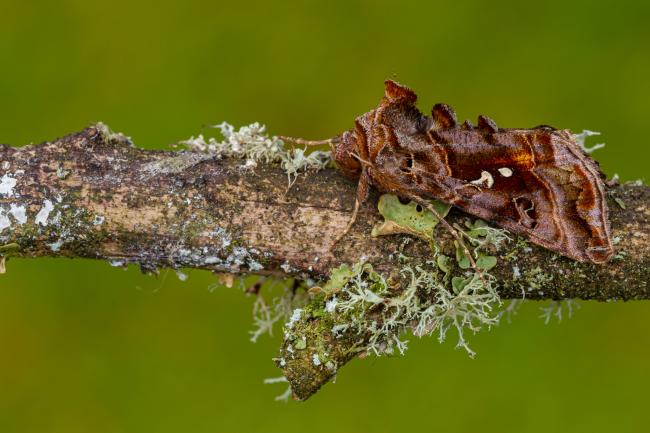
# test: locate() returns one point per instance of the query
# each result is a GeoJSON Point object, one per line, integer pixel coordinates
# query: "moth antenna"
{"type": "Point", "coordinates": [361, 160]}
{"type": "Point", "coordinates": [303, 142]}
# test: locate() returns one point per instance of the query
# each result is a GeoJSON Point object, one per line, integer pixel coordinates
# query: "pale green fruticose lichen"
{"type": "Point", "coordinates": [433, 299]}
{"type": "Point", "coordinates": [252, 144]}
{"type": "Point", "coordinates": [374, 310]}
{"type": "Point", "coordinates": [556, 308]}
{"type": "Point", "coordinates": [426, 305]}
{"type": "Point", "coordinates": [582, 138]}
{"type": "Point", "coordinates": [111, 136]}
{"type": "Point", "coordinates": [286, 394]}
{"type": "Point", "coordinates": [266, 316]}
{"type": "Point", "coordinates": [360, 311]}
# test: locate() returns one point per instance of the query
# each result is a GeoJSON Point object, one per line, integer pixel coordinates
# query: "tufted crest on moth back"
{"type": "Point", "coordinates": [396, 93]}
{"type": "Point", "coordinates": [444, 116]}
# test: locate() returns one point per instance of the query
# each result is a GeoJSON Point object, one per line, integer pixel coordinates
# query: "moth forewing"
{"type": "Point", "coordinates": [534, 182]}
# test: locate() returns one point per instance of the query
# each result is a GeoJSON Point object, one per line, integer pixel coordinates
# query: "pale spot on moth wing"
{"type": "Point", "coordinates": [505, 171]}
{"type": "Point", "coordinates": [485, 180]}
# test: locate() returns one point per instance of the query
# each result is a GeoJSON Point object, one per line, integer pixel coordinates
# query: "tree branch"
{"type": "Point", "coordinates": [93, 195]}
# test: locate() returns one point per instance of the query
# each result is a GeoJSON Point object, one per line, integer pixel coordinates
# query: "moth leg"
{"type": "Point", "coordinates": [363, 189]}
{"type": "Point", "coordinates": [453, 232]}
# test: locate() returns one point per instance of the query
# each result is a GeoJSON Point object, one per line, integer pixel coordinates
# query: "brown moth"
{"type": "Point", "coordinates": [533, 182]}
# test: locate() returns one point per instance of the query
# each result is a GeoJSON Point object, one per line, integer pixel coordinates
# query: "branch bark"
{"type": "Point", "coordinates": [93, 194]}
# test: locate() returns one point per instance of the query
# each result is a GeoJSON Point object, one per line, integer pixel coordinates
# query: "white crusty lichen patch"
{"type": "Point", "coordinates": [220, 253]}
{"type": "Point", "coordinates": [5, 222]}
{"type": "Point", "coordinates": [253, 145]}
{"type": "Point", "coordinates": [44, 213]}
{"type": "Point", "coordinates": [7, 184]}
{"type": "Point", "coordinates": [19, 212]}
{"type": "Point", "coordinates": [11, 211]}
{"type": "Point", "coordinates": [15, 211]}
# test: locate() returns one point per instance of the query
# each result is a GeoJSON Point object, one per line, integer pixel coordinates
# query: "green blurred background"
{"type": "Point", "coordinates": [90, 348]}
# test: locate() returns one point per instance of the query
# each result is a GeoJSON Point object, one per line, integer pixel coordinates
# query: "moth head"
{"type": "Point", "coordinates": [345, 153]}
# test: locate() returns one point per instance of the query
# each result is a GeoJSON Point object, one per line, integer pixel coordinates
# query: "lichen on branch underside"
{"type": "Point", "coordinates": [360, 312]}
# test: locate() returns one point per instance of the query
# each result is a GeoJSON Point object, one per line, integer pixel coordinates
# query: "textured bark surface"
{"type": "Point", "coordinates": [94, 195]}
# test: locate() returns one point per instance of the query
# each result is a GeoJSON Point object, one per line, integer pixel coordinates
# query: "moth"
{"type": "Point", "coordinates": [536, 182]}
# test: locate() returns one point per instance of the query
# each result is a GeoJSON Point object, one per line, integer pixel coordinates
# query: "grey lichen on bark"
{"type": "Point", "coordinates": [93, 194]}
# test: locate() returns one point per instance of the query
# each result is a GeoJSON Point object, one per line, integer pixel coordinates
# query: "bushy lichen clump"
{"type": "Point", "coordinates": [581, 139]}
{"type": "Point", "coordinates": [253, 145]}
{"type": "Point", "coordinates": [266, 316]}
{"type": "Point", "coordinates": [360, 311]}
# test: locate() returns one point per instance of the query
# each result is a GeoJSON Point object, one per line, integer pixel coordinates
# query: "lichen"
{"type": "Point", "coordinates": [284, 308]}
{"type": "Point", "coordinates": [252, 144]}
{"type": "Point", "coordinates": [7, 184]}
{"type": "Point", "coordinates": [481, 237]}
{"type": "Point", "coordinates": [410, 218]}
{"type": "Point", "coordinates": [5, 222]}
{"type": "Point", "coordinates": [19, 212]}
{"type": "Point", "coordinates": [581, 138]}
{"type": "Point", "coordinates": [359, 311]}
{"type": "Point", "coordinates": [44, 213]}
{"type": "Point", "coordinates": [370, 302]}
{"type": "Point", "coordinates": [556, 308]}
{"type": "Point", "coordinates": [175, 164]}
{"type": "Point", "coordinates": [112, 138]}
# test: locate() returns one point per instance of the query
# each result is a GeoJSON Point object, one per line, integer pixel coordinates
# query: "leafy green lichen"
{"type": "Point", "coordinates": [410, 218]}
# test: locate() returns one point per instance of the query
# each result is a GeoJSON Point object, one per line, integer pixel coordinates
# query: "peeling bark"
{"type": "Point", "coordinates": [93, 194]}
